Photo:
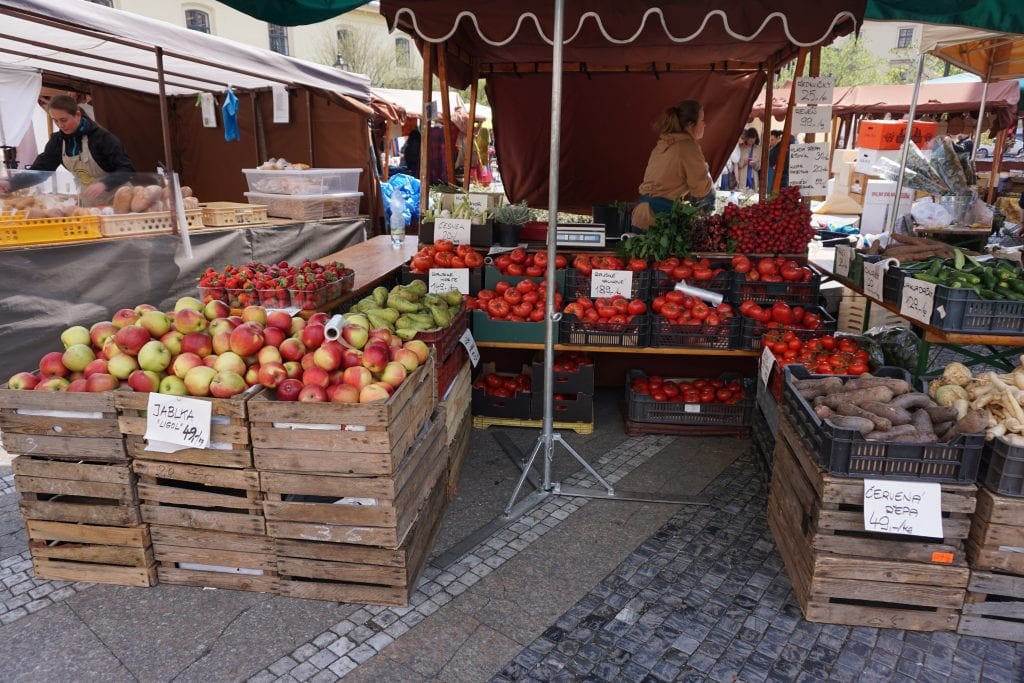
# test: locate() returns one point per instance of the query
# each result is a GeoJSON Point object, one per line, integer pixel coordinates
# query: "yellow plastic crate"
{"type": "Point", "coordinates": [20, 232]}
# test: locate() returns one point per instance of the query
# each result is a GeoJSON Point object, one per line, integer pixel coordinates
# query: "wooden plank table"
{"type": "Point", "coordinates": [374, 261]}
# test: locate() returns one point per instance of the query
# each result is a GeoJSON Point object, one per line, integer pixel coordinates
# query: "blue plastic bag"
{"type": "Point", "coordinates": [410, 188]}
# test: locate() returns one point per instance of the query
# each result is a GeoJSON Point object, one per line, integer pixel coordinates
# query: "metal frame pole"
{"type": "Point", "coordinates": [981, 109]}
{"type": "Point", "coordinates": [906, 142]}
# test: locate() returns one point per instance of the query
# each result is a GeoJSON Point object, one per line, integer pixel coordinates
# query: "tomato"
{"type": "Point", "coordinates": [856, 369]}
{"type": "Point", "coordinates": [605, 311]}
{"type": "Point", "coordinates": [781, 313]}
{"type": "Point", "coordinates": [422, 263]}
{"type": "Point", "coordinates": [534, 271]}
{"type": "Point", "coordinates": [702, 274]}
{"type": "Point", "coordinates": [585, 301]}
{"type": "Point", "coordinates": [636, 307]}
{"type": "Point", "coordinates": [526, 286]}
{"type": "Point", "coordinates": [828, 342]}
{"type": "Point", "coordinates": [636, 265]}
{"type": "Point", "coordinates": [537, 314]}
{"type": "Point", "coordinates": [501, 263]}
{"type": "Point", "coordinates": [444, 245]}
{"type": "Point", "coordinates": [812, 321]}
{"type": "Point", "coordinates": [707, 395]}
{"type": "Point", "coordinates": [792, 273]}
{"type": "Point", "coordinates": [485, 294]}
{"type": "Point", "coordinates": [591, 315]}
{"type": "Point", "coordinates": [746, 306]}
{"type": "Point", "coordinates": [492, 380]}
{"type": "Point", "coordinates": [471, 303]}
{"type": "Point", "coordinates": [498, 308]}
{"type": "Point", "coordinates": [724, 310]}
{"type": "Point", "coordinates": [561, 261]}
{"type": "Point", "coordinates": [674, 296]}
{"type": "Point", "coordinates": [655, 380]}
{"type": "Point", "coordinates": [740, 264]}
{"type": "Point", "coordinates": [517, 255]}
{"type": "Point", "coordinates": [670, 388]}
{"type": "Point", "coordinates": [700, 310]}
{"type": "Point", "coordinates": [670, 310]}
{"type": "Point", "coordinates": [798, 314]}
{"type": "Point", "coordinates": [443, 259]}
{"type": "Point", "coordinates": [723, 394]}
{"type": "Point", "coordinates": [540, 259]}
{"type": "Point", "coordinates": [682, 273]}
{"type": "Point", "coordinates": [531, 297]}
{"type": "Point", "coordinates": [658, 394]}
{"type": "Point", "coordinates": [457, 262]}
{"type": "Point", "coordinates": [766, 266]}
{"type": "Point", "coordinates": [512, 296]}
{"type": "Point", "coordinates": [516, 269]}
{"type": "Point", "coordinates": [713, 319]}
{"type": "Point", "coordinates": [620, 305]}
{"type": "Point", "coordinates": [691, 396]}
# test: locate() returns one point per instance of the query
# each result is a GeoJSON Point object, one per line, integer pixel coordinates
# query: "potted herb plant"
{"type": "Point", "coordinates": [508, 219]}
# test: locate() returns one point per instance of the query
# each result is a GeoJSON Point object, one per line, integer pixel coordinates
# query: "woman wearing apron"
{"type": "Point", "coordinates": [93, 154]}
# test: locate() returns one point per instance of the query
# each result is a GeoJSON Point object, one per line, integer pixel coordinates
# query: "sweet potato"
{"type": "Point", "coordinates": [894, 414]}
{"type": "Point", "coordinates": [877, 394]}
{"type": "Point", "coordinates": [813, 388]}
{"type": "Point", "coordinates": [823, 412]}
{"type": "Point", "coordinates": [923, 424]}
{"type": "Point", "coordinates": [942, 427]}
{"type": "Point", "coordinates": [897, 433]}
{"type": "Point", "coordinates": [940, 414]}
{"type": "Point", "coordinates": [974, 422]}
{"type": "Point", "coordinates": [912, 400]}
{"type": "Point", "coordinates": [859, 424]}
{"type": "Point", "coordinates": [897, 386]}
{"type": "Point", "coordinates": [881, 424]}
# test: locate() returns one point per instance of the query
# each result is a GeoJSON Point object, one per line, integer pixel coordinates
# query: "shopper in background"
{"type": "Point", "coordinates": [750, 159]}
{"type": "Point", "coordinates": [411, 152]}
{"type": "Point", "coordinates": [676, 168]}
{"type": "Point", "coordinates": [774, 139]}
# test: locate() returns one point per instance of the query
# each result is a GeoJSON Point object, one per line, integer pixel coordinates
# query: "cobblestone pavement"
{"type": "Point", "coordinates": [707, 598]}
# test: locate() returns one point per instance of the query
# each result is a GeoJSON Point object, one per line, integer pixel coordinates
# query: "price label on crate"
{"type": "Point", "coordinates": [479, 202]}
{"type": "Point", "coordinates": [454, 229]}
{"type": "Point", "coordinates": [611, 282]}
{"type": "Point", "coordinates": [917, 300]}
{"type": "Point", "coordinates": [812, 119]}
{"type": "Point", "coordinates": [814, 89]}
{"type": "Point", "coordinates": [470, 344]}
{"type": "Point", "coordinates": [911, 508]}
{"type": "Point", "coordinates": [446, 279]}
{"type": "Point", "coordinates": [844, 256]}
{"type": "Point", "coordinates": [691, 407]}
{"type": "Point", "coordinates": [767, 363]}
{"type": "Point", "coordinates": [874, 274]}
{"type": "Point", "coordinates": [174, 423]}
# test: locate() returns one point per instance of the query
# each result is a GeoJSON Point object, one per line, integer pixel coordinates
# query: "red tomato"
{"type": "Point", "coordinates": [636, 264]}
{"type": "Point", "coordinates": [516, 269]}
{"type": "Point", "coordinates": [537, 314]}
{"type": "Point", "coordinates": [723, 394]}
{"type": "Point", "coordinates": [512, 295]}
{"type": "Point", "coordinates": [422, 263]}
{"type": "Point", "coordinates": [670, 310]}
{"type": "Point", "coordinates": [828, 342]}
{"type": "Point", "coordinates": [498, 308]}
{"type": "Point", "coordinates": [517, 255]}
{"type": "Point", "coordinates": [740, 264]}
{"type": "Point", "coordinates": [766, 266]}
{"type": "Point", "coordinates": [485, 294]}
{"type": "Point", "coordinates": [444, 245]}
{"type": "Point", "coordinates": [522, 310]}
{"type": "Point", "coordinates": [812, 321]}
{"type": "Point", "coordinates": [637, 307]}
{"type": "Point", "coordinates": [700, 310]}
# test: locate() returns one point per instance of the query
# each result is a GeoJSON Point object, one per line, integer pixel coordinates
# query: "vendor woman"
{"type": "Point", "coordinates": [676, 168]}
{"type": "Point", "coordinates": [91, 153]}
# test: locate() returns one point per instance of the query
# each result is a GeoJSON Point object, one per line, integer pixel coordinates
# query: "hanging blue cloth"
{"type": "Point", "coordinates": [230, 111]}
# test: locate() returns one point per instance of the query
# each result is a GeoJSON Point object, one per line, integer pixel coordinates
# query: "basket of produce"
{"type": "Point", "coordinates": [710, 402]}
{"type": "Point", "coordinates": [503, 395]}
{"type": "Point", "coordinates": [307, 286]}
{"type": "Point", "coordinates": [780, 225]}
{"type": "Point", "coordinates": [511, 313]}
{"type": "Point", "coordinates": [710, 274]}
{"type": "Point", "coordinates": [579, 278]}
{"type": "Point", "coordinates": [682, 321]}
{"type": "Point", "coordinates": [821, 355]}
{"type": "Point", "coordinates": [775, 279]}
{"type": "Point", "coordinates": [446, 255]}
{"type": "Point", "coordinates": [411, 312]}
{"type": "Point", "coordinates": [780, 317]}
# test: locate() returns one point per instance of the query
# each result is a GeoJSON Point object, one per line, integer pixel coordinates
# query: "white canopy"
{"type": "Point", "coordinates": [90, 42]}
{"type": "Point", "coordinates": [412, 101]}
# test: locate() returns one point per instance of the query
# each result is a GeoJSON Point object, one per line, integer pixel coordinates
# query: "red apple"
{"type": "Point", "coordinates": [351, 358]}
{"type": "Point", "coordinates": [280, 320]}
{"type": "Point", "coordinates": [52, 365]}
{"type": "Point", "coordinates": [124, 317]}
{"type": "Point", "coordinates": [211, 360]}
{"type": "Point", "coordinates": [77, 356]}
{"type": "Point", "coordinates": [78, 386]}
{"type": "Point", "coordinates": [100, 332]}
{"type": "Point", "coordinates": [184, 362]}
{"type": "Point", "coordinates": [220, 325]}
{"type": "Point", "coordinates": [53, 384]}
{"type": "Point", "coordinates": [312, 336]}
{"type": "Point", "coordinates": [308, 360]}
{"type": "Point", "coordinates": [131, 338]}
{"type": "Point", "coordinates": [23, 381]}
{"type": "Point", "coordinates": [408, 358]}
{"type": "Point", "coordinates": [156, 322]}
{"type": "Point", "coordinates": [75, 335]}
{"type": "Point", "coordinates": [246, 339]}
{"type": "Point", "coordinates": [144, 381]}
{"type": "Point", "coordinates": [110, 349]}
{"type": "Point", "coordinates": [255, 314]}
{"type": "Point", "coordinates": [101, 382]}
{"type": "Point", "coordinates": [197, 380]}
{"type": "Point", "coordinates": [382, 333]}
{"type": "Point", "coordinates": [98, 365]}
{"type": "Point", "coordinates": [252, 375]}
{"type": "Point", "coordinates": [227, 384]}
{"type": "Point", "coordinates": [328, 356]}
{"type": "Point", "coordinates": [189, 320]}
{"type": "Point", "coordinates": [269, 354]}
{"type": "Point", "coordinates": [320, 318]}
{"type": "Point", "coordinates": [393, 374]}
{"type": "Point", "coordinates": [235, 320]}
{"type": "Point", "coordinates": [297, 325]}
{"type": "Point", "coordinates": [198, 343]}
{"type": "Point", "coordinates": [172, 340]}
{"type": "Point", "coordinates": [312, 393]}
{"type": "Point", "coordinates": [272, 374]}
{"type": "Point", "coordinates": [316, 376]}
{"type": "Point", "coordinates": [273, 336]}
{"type": "Point", "coordinates": [189, 302]}
{"type": "Point", "coordinates": [122, 365]}
{"type": "Point", "coordinates": [336, 377]}
{"type": "Point", "coordinates": [292, 349]}
{"type": "Point", "coordinates": [343, 393]}
{"type": "Point", "coordinates": [294, 369]}
{"type": "Point", "coordinates": [375, 357]}
{"type": "Point", "coordinates": [215, 308]}
{"type": "Point", "coordinates": [355, 336]}
{"type": "Point", "coordinates": [289, 389]}
{"type": "Point", "coordinates": [142, 308]}
{"type": "Point", "coordinates": [221, 342]}
{"type": "Point", "coordinates": [373, 393]}
{"type": "Point", "coordinates": [358, 376]}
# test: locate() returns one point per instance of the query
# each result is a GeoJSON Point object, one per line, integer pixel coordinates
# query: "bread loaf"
{"type": "Point", "coordinates": [123, 199]}
{"type": "Point", "coordinates": [186, 191]}
{"type": "Point", "coordinates": [190, 203]}
{"type": "Point", "coordinates": [140, 201]}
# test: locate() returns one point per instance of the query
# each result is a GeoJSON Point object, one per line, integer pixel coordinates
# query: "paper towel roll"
{"type": "Point", "coordinates": [332, 329]}
{"type": "Point", "coordinates": [713, 298]}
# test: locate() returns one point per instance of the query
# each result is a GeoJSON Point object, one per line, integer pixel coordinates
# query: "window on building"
{"type": "Point", "coordinates": [197, 20]}
{"type": "Point", "coordinates": [278, 38]}
{"type": "Point", "coordinates": [403, 52]}
{"type": "Point", "coordinates": [105, 3]}
{"type": "Point", "coordinates": [905, 39]}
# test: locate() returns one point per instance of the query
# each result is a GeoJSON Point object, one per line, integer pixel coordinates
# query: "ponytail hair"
{"type": "Point", "coordinates": [678, 118]}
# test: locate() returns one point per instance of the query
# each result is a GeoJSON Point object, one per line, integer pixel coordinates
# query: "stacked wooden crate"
{"type": "Point", "coordinates": [354, 492]}
{"type": "Point", "coordinates": [204, 506]}
{"type": "Point", "coordinates": [458, 424]}
{"type": "Point", "coordinates": [842, 574]}
{"type": "Point", "coordinates": [77, 489]}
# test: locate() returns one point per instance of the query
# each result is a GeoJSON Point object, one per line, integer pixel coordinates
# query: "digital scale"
{"type": "Point", "coordinates": [579, 235]}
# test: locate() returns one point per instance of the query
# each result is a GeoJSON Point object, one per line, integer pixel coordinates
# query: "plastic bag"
{"type": "Point", "coordinates": [410, 189]}
{"type": "Point", "coordinates": [947, 164]}
{"type": "Point", "coordinates": [900, 346]}
{"type": "Point", "coordinates": [876, 357]}
{"type": "Point", "coordinates": [979, 213]}
{"type": "Point", "coordinates": [928, 214]}
{"type": "Point", "coordinates": [914, 179]}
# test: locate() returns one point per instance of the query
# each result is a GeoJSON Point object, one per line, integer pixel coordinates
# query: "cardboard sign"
{"type": "Point", "coordinates": [808, 168]}
{"type": "Point", "coordinates": [470, 344]}
{"type": "Point", "coordinates": [812, 119]}
{"type": "Point", "coordinates": [453, 229]}
{"type": "Point", "coordinates": [611, 282]}
{"type": "Point", "coordinates": [767, 363]}
{"type": "Point", "coordinates": [479, 202]}
{"type": "Point", "coordinates": [446, 279]}
{"type": "Point", "coordinates": [917, 300]}
{"type": "Point", "coordinates": [844, 256]}
{"type": "Point", "coordinates": [874, 274]}
{"type": "Point", "coordinates": [911, 508]}
{"type": "Point", "coordinates": [814, 89]}
{"type": "Point", "coordinates": [177, 421]}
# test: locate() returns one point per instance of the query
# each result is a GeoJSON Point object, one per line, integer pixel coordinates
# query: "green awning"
{"type": "Point", "coordinates": [294, 12]}
{"type": "Point", "coordinates": [1004, 16]}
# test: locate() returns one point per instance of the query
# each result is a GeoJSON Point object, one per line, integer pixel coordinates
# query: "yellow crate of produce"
{"type": "Point", "coordinates": [20, 232]}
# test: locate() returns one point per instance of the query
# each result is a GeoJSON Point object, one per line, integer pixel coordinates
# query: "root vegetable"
{"type": "Point", "coordinates": [923, 424]}
{"type": "Point", "coordinates": [948, 394]}
{"type": "Point", "coordinates": [973, 423]}
{"type": "Point", "coordinates": [1014, 440]}
{"type": "Point", "coordinates": [942, 414]}
{"type": "Point", "coordinates": [897, 433]}
{"type": "Point", "coordinates": [957, 373]}
{"type": "Point", "coordinates": [881, 424]}
{"type": "Point", "coordinates": [962, 407]}
{"type": "Point", "coordinates": [942, 427]}
{"type": "Point", "coordinates": [823, 412]}
{"type": "Point", "coordinates": [859, 424]}
{"type": "Point", "coordinates": [892, 413]}
{"type": "Point", "coordinates": [911, 401]}
{"type": "Point", "coordinates": [879, 394]}
{"type": "Point", "coordinates": [897, 386]}
{"type": "Point", "coordinates": [812, 388]}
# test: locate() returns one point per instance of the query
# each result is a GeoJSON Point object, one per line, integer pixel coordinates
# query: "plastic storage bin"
{"type": "Point", "coordinates": [794, 293]}
{"type": "Point", "coordinates": [1002, 468]}
{"type": "Point", "coordinates": [308, 207]}
{"type": "Point", "coordinates": [578, 332]}
{"type": "Point", "coordinates": [643, 408]}
{"type": "Point", "coordinates": [577, 284]}
{"type": "Point", "coordinates": [752, 335]}
{"type": "Point", "coordinates": [308, 182]}
{"type": "Point", "coordinates": [665, 334]}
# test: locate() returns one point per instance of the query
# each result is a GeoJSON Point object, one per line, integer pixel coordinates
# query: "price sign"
{"type": "Point", "coordinates": [479, 202]}
{"type": "Point", "coordinates": [691, 407]}
{"type": "Point", "coordinates": [808, 167]}
{"type": "Point", "coordinates": [454, 229]}
{"type": "Point", "coordinates": [767, 363]}
{"type": "Point", "coordinates": [470, 344]}
{"type": "Point", "coordinates": [844, 255]}
{"type": "Point", "coordinates": [177, 421]}
{"type": "Point", "coordinates": [814, 89]}
{"type": "Point", "coordinates": [911, 508]}
{"type": "Point", "coordinates": [917, 300]}
{"type": "Point", "coordinates": [446, 279]}
{"type": "Point", "coordinates": [874, 274]}
{"type": "Point", "coordinates": [812, 119]}
{"type": "Point", "coordinates": [611, 282]}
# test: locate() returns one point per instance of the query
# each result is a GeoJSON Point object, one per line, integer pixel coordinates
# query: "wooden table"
{"type": "Point", "coordinates": [374, 261]}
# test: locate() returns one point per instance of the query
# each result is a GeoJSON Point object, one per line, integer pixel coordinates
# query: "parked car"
{"type": "Point", "coordinates": [1014, 148]}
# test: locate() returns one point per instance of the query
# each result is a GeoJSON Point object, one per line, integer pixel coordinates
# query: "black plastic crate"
{"type": "Point", "coordinates": [476, 278]}
{"type": "Point", "coordinates": [797, 293]}
{"type": "Point", "coordinates": [752, 331]}
{"type": "Point", "coordinates": [643, 408]}
{"type": "Point", "coordinates": [665, 334]}
{"type": "Point", "coordinates": [492, 276]}
{"type": "Point", "coordinates": [845, 453]}
{"type": "Point", "coordinates": [579, 408]}
{"type": "Point", "coordinates": [564, 382]}
{"type": "Point", "coordinates": [962, 310]}
{"type": "Point", "coordinates": [572, 330]}
{"type": "Point", "coordinates": [577, 284]}
{"type": "Point", "coordinates": [721, 283]}
{"type": "Point", "coordinates": [1002, 468]}
{"type": "Point", "coordinates": [892, 286]}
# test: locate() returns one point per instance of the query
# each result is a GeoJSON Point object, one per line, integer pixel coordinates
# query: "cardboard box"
{"type": "Point", "coordinates": [885, 135]}
{"type": "Point", "coordinates": [884, 191]}
{"type": "Point", "coordinates": [844, 172]}
{"type": "Point", "coordinates": [877, 212]}
{"type": "Point", "coordinates": [842, 156]}
{"type": "Point", "coordinates": [867, 158]}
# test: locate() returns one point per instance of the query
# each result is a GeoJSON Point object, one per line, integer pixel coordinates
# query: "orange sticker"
{"type": "Point", "coordinates": [942, 558]}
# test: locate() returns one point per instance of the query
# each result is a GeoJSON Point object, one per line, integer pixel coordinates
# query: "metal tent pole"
{"type": "Point", "coordinates": [906, 143]}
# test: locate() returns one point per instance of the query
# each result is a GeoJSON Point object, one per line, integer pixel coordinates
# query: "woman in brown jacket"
{"type": "Point", "coordinates": [676, 168]}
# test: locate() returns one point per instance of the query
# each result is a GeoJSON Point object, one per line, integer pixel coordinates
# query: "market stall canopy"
{"type": "Point", "coordinates": [90, 42]}
{"type": "Point", "coordinates": [294, 12]}
{"type": "Point", "coordinates": [624, 63]}
{"type": "Point", "coordinates": [412, 101]}
{"type": "Point", "coordinates": [992, 56]}
{"type": "Point", "coordinates": [1004, 16]}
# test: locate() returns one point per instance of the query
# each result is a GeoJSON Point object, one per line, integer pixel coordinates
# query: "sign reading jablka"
{"type": "Point", "coordinates": [178, 420]}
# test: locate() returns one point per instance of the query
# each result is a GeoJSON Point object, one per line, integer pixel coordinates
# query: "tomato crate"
{"type": "Point", "coordinates": [516, 407]}
{"type": "Point", "coordinates": [721, 283]}
{"type": "Point", "coordinates": [577, 284]}
{"type": "Point", "coordinates": [644, 408]}
{"type": "Point", "coordinates": [476, 278]}
{"type": "Point", "coordinates": [564, 381]}
{"type": "Point", "coordinates": [1002, 468]}
{"type": "Point", "coordinates": [492, 276]}
{"type": "Point", "coordinates": [488, 329]}
{"type": "Point", "coordinates": [577, 407]}
{"type": "Point", "coordinates": [793, 293]}
{"type": "Point", "coordinates": [844, 452]}
{"type": "Point", "coordinates": [666, 334]}
{"type": "Point", "coordinates": [572, 330]}
{"type": "Point", "coordinates": [753, 331]}
{"type": "Point", "coordinates": [446, 339]}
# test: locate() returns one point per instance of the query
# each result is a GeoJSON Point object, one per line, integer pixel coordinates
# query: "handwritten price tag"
{"type": "Point", "coordinates": [470, 344]}
{"type": "Point", "coordinates": [814, 90]}
{"type": "Point", "coordinates": [874, 274]}
{"type": "Point", "coordinates": [812, 119]}
{"type": "Point", "coordinates": [446, 279]}
{"type": "Point", "coordinates": [910, 508]}
{"type": "Point", "coordinates": [479, 202]}
{"type": "Point", "coordinates": [844, 256]}
{"type": "Point", "coordinates": [767, 363]}
{"type": "Point", "coordinates": [808, 167]}
{"type": "Point", "coordinates": [611, 282]}
{"type": "Point", "coordinates": [917, 300]}
{"type": "Point", "coordinates": [455, 229]}
{"type": "Point", "coordinates": [178, 420]}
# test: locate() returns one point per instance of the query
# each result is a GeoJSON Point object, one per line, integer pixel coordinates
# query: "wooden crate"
{"type": "Point", "coordinates": [457, 405]}
{"type": "Point", "coordinates": [458, 449]}
{"type": "Point", "coordinates": [997, 533]}
{"type": "Point", "coordinates": [229, 431]}
{"type": "Point", "coordinates": [200, 497]}
{"type": "Point", "coordinates": [304, 505]}
{"type": "Point", "coordinates": [357, 573]}
{"type": "Point", "coordinates": [842, 574]}
{"type": "Point", "coordinates": [90, 492]}
{"type": "Point", "coordinates": [357, 438]}
{"type": "Point", "coordinates": [994, 607]}
{"type": "Point", "coordinates": [72, 426]}
{"type": "Point", "coordinates": [63, 551]}
{"type": "Point", "coordinates": [216, 559]}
